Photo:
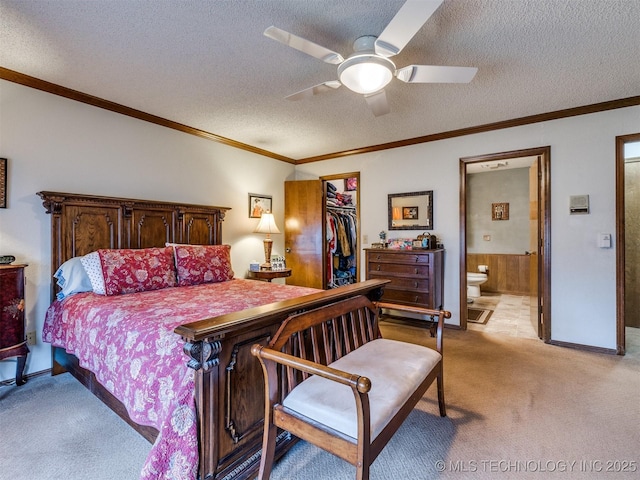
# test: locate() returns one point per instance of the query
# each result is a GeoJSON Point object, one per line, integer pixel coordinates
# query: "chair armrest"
{"type": "Point", "coordinates": [357, 382]}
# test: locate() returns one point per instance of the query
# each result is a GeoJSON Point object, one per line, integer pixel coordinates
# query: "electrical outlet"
{"type": "Point", "coordinates": [31, 338]}
{"type": "Point", "coordinates": [365, 239]}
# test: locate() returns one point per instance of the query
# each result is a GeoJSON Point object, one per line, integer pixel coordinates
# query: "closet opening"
{"type": "Point", "coordinates": [342, 245]}
{"type": "Point", "coordinates": [322, 230]}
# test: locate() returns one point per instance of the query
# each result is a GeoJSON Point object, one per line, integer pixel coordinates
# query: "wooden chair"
{"type": "Point", "coordinates": [332, 380]}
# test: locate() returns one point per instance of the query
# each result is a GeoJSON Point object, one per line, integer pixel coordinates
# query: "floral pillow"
{"type": "Point", "coordinates": [198, 264]}
{"type": "Point", "coordinates": [137, 270]}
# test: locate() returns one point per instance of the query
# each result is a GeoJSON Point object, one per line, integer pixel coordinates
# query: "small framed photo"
{"type": "Point", "coordinates": [3, 183]}
{"type": "Point", "coordinates": [409, 213]}
{"type": "Point", "coordinates": [259, 204]}
{"type": "Point", "coordinates": [350, 184]}
{"type": "Point", "coordinates": [499, 211]}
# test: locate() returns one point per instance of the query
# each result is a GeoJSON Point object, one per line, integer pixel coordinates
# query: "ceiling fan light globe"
{"type": "Point", "coordinates": [366, 73]}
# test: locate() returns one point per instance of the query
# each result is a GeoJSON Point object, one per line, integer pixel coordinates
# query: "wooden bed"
{"type": "Point", "coordinates": [229, 389]}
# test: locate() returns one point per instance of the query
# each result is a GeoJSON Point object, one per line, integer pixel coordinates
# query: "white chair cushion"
{"type": "Point", "coordinates": [395, 370]}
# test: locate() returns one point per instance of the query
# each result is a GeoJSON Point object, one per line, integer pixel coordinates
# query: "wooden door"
{"type": "Point", "coordinates": [631, 242]}
{"type": "Point", "coordinates": [534, 235]}
{"type": "Point", "coordinates": [304, 232]}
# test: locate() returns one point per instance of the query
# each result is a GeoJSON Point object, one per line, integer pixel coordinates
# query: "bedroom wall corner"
{"type": "Point", "coordinates": [57, 144]}
{"type": "Point", "coordinates": [583, 285]}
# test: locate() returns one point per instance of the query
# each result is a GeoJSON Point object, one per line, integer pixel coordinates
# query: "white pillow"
{"type": "Point", "coordinates": [91, 264]}
{"type": "Point", "coordinates": [72, 278]}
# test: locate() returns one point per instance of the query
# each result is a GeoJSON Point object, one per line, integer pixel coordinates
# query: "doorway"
{"type": "Point", "coordinates": [538, 261]}
{"type": "Point", "coordinates": [627, 231]}
{"type": "Point", "coordinates": [322, 230]}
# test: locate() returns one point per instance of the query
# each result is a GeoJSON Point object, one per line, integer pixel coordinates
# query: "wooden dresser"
{"type": "Point", "coordinates": [12, 329]}
{"type": "Point", "coordinates": [416, 275]}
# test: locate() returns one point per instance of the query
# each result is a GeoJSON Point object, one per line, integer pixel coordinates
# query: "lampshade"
{"type": "Point", "coordinates": [267, 224]}
{"type": "Point", "coordinates": [366, 73]}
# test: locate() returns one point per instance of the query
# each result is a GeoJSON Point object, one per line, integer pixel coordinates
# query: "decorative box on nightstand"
{"type": "Point", "coordinates": [13, 341]}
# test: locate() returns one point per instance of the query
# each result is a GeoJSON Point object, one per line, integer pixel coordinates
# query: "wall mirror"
{"type": "Point", "coordinates": [411, 211]}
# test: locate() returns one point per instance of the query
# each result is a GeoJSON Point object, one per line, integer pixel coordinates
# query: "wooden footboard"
{"type": "Point", "coordinates": [229, 384]}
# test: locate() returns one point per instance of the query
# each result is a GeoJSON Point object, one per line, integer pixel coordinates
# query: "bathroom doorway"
{"type": "Point", "coordinates": [627, 235]}
{"type": "Point", "coordinates": [528, 269]}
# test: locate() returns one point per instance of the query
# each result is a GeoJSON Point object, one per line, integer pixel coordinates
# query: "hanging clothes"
{"type": "Point", "coordinates": [341, 245]}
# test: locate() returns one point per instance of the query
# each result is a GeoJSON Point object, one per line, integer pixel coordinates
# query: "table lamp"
{"type": "Point", "coordinates": [267, 225]}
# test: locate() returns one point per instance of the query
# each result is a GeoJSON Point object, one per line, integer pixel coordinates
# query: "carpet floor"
{"type": "Point", "coordinates": [53, 428]}
{"type": "Point", "coordinates": [517, 408]}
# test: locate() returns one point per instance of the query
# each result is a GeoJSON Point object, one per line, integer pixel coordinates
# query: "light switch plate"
{"type": "Point", "coordinates": [604, 240]}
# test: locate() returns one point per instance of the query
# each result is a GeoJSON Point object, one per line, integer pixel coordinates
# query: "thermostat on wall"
{"type": "Point", "coordinates": [578, 204]}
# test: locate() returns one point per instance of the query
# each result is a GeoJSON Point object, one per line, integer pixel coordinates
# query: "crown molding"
{"type": "Point", "coordinates": [38, 84]}
{"type": "Point", "coordinates": [515, 122]}
{"type": "Point", "coordinates": [26, 80]}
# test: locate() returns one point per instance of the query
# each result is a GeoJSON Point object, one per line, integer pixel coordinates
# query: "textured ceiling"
{"type": "Point", "coordinates": [206, 64]}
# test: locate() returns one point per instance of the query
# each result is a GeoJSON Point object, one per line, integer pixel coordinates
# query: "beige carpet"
{"type": "Point", "coordinates": [517, 408]}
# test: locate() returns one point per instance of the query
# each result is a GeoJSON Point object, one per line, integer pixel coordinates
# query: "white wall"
{"type": "Point", "coordinates": [498, 186]}
{"type": "Point", "coordinates": [583, 287]}
{"type": "Point", "coordinates": [56, 144]}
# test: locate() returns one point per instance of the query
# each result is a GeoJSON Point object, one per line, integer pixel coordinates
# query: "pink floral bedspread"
{"type": "Point", "coordinates": [128, 342]}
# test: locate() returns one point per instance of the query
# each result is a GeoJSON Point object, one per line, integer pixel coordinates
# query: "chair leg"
{"type": "Point", "coordinates": [268, 451]}
{"type": "Point", "coordinates": [440, 383]}
{"type": "Point", "coordinates": [362, 471]}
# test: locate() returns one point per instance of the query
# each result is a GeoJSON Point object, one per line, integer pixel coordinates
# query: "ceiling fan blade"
{"type": "Point", "coordinates": [378, 103]}
{"type": "Point", "coordinates": [402, 28]}
{"type": "Point", "coordinates": [311, 91]}
{"type": "Point", "coordinates": [304, 45]}
{"type": "Point", "coordinates": [435, 74]}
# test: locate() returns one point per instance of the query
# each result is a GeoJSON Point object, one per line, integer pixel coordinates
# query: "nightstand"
{"type": "Point", "coordinates": [13, 341]}
{"type": "Point", "coordinates": [268, 275]}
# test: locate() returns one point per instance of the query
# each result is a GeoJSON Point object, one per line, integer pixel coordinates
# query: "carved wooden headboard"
{"type": "Point", "coordinates": [81, 224]}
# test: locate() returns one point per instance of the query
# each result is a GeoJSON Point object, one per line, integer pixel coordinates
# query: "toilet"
{"type": "Point", "coordinates": [474, 280]}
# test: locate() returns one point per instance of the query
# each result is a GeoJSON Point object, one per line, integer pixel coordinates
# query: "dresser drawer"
{"type": "Point", "coordinates": [410, 258]}
{"type": "Point", "coordinates": [402, 296]}
{"type": "Point", "coordinates": [404, 283]}
{"type": "Point", "coordinates": [379, 269]}
{"type": "Point", "coordinates": [416, 276]}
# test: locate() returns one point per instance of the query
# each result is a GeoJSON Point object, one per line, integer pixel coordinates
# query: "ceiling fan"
{"type": "Point", "coordinates": [368, 70]}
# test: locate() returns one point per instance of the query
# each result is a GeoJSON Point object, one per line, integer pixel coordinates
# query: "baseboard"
{"type": "Point", "coordinates": [12, 381]}
{"type": "Point", "coordinates": [588, 348]}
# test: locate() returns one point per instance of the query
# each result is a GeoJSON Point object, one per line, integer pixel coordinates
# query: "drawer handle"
{"type": "Point", "coordinates": [417, 259]}
{"type": "Point", "coordinates": [378, 257]}
{"type": "Point", "coordinates": [378, 268]}
{"type": "Point", "coordinates": [416, 271]}
{"type": "Point", "coordinates": [415, 285]}
{"type": "Point", "coordinates": [416, 299]}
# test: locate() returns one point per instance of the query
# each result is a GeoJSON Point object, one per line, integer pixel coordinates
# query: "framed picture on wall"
{"type": "Point", "coordinates": [259, 204]}
{"type": "Point", "coordinates": [409, 213]}
{"type": "Point", "coordinates": [499, 211]}
{"type": "Point", "coordinates": [3, 183]}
